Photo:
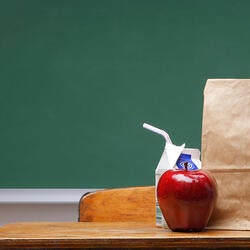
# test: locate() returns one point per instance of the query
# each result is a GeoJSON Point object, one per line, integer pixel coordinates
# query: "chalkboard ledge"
{"type": "Point", "coordinates": [18, 205]}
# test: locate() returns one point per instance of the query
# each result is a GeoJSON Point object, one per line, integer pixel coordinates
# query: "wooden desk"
{"type": "Point", "coordinates": [44, 235]}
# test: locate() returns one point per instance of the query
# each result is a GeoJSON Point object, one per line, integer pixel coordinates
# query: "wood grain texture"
{"type": "Point", "coordinates": [119, 204]}
{"type": "Point", "coordinates": [82, 235]}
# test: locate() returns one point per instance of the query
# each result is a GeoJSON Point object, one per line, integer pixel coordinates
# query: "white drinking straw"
{"type": "Point", "coordinates": [158, 131]}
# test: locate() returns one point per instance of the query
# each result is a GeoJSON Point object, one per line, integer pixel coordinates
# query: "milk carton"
{"type": "Point", "coordinates": [173, 157]}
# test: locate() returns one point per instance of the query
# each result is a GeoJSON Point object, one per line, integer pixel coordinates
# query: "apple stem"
{"type": "Point", "coordinates": [186, 165]}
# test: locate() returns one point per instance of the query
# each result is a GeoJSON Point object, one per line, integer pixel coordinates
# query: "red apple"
{"type": "Point", "coordinates": [186, 198]}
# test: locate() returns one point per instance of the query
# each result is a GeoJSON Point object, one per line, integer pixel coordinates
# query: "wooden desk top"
{"type": "Point", "coordinates": [44, 235]}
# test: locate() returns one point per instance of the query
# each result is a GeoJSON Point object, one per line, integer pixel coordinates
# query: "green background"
{"type": "Point", "coordinates": [79, 78]}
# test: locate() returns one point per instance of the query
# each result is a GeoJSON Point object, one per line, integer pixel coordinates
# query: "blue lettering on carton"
{"type": "Point", "coordinates": [185, 159]}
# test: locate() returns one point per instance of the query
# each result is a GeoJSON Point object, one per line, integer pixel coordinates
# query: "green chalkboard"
{"type": "Point", "coordinates": [79, 78]}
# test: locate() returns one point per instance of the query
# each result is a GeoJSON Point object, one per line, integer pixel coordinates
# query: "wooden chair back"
{"type": "Point", "coordinates": [132, 204]}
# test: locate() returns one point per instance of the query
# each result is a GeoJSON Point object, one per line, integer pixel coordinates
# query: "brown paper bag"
{"type": "Point", "coordinates": [226, 149]}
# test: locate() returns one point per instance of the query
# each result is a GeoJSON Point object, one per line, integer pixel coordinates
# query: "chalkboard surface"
{"type": "Point", "coordinates": [79, 78]}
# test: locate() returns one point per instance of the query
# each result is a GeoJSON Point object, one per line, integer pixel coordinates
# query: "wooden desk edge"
{"type": "Point", "coordinates": [120, 243]}
{"type": "Point", "coordinates": [113, 235]}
